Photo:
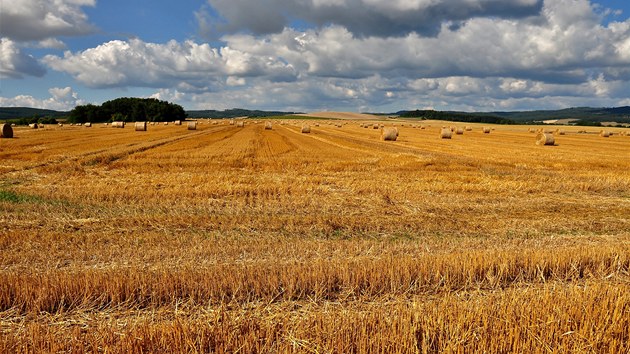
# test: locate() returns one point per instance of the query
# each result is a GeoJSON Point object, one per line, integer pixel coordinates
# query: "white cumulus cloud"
{"type": "Point", "coordinates": [61, 99]}
{"type": "Point", "coordinates": [14, 63]}
{"type": "Point", "coordinates": [35, 20]}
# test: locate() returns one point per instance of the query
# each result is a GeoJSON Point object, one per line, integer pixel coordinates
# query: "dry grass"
{"type": "Point", "coordinates": [225, 239]}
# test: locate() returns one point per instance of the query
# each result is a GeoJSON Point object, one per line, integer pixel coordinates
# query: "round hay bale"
{"type": "Point", "coordinates": [88, 124]}
{"type": "Point", "coordinates": [545, 139]}
{"type": "Point", "coordinates": [141, 126]}
{"type": "Point", "coordinates": [6, 131]}
{"type": "Point", "coordinates": [306, 129]}
{"type": "Point", "coordinates": [459, 131]}
{"type": "Point", "coordinates": [268, 126]}
{"type": "Point", "coordinates": [485, 130]}
{"type": "Point", "coordinates": [468, 129]}
{"type": "Point", "coordinates": [231, 122]}
{"type": "Point", "coordinates": [118, 124]}
{"type": "Point", "coordinates": [389, 134]}
{"type": "Point", "coordinates": [560, 132]}
{"type": "Point", "coordinates": [605, 134]}
{"type": "Point", "coordinates": [240, 124]}
{"type": "Point", "coordinates": [178, 122]}
{"type": "Point", "coordinates": [33, 126]}
{"type": "Point", "coordinates": [165, 123]}
{"type": "Point", "coordinates": [375, 125]}
{"type": "Point", "coordinates": [192, 125]}
{"type": "Point", "coordinates": [446, 133]}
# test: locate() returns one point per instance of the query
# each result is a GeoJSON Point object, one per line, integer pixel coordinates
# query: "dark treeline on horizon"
{"type": "Point", "coordinates": [129, 110]}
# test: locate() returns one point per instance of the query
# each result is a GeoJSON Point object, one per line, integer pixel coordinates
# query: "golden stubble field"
{"type": "Point", "coordinates": [229, 239]}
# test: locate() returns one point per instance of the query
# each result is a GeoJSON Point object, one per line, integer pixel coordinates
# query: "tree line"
{"type": "Point", "coordinates": [128, 109]}
{"type": "Point", "coordinates": [456, 116]}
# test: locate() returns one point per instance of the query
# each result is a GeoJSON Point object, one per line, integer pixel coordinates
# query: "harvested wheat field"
{"type": "Point", "coordinates": [245, 239]}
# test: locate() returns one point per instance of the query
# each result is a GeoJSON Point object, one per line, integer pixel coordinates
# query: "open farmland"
{"type": "Point", "coordinates": [229, 239]}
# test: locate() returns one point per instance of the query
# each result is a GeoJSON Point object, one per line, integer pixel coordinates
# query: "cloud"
{"type": "Point", "coordinates": [564, 55]}
{"type": "Point", "coordinates": [35, 20]}
{"type": "Point", "coordinates": [61, 99]}
{"type": "Point", "coordinates": [137, 63]}
{"type": "Point", "coordinates": [15, 64]}
{"type": "Point", "coordinates": [360, 17]}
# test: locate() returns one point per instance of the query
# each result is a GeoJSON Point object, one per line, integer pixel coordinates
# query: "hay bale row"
{"type": "Point", "coordinates": [6, 131]}
{"type": "Point", "coordinates": [545, 139]}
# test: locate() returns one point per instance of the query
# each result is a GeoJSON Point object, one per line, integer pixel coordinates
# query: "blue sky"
{"type": "Point", "coordinates": [311, 55]}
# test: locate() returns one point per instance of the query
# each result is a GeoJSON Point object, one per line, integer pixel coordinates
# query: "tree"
{"type": "Point", "coordinates": [128, 108]}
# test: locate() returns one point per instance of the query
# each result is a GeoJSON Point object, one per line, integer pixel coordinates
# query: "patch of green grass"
{"type": "Point", "coordinates": [12, 197]}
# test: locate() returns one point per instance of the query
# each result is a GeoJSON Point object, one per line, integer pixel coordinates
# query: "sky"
{"type": "Point", "coordinates": [317, 55]}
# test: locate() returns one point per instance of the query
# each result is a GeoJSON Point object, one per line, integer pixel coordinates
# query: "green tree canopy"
{"type": "Point", "coordinates": [128, 109]}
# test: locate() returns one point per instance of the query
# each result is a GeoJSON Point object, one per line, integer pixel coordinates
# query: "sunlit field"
{"type": "Point", "coordinates": [246, 239]}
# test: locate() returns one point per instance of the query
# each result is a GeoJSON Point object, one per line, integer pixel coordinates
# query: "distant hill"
{"type": "Point", "coordinates": [583, 115]}
{"type": "Point", "coordinates": [26, 112]}
{"type": "Point", "coordinates": [236, 112]}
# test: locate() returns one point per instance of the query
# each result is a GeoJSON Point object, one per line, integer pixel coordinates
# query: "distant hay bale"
{"type": "Point", "coordinates": [268, 126]}
{"type": "Point", "coordinates": [306, 129]}
{"type": "Point", "coordinates": [375, 125]}
{"type": "Point", "coordinates": [60, 125]}
{"type": "Point", "coordinates": [422, 127]}
{"type": "Point", "coordinates": [316, 124]}
{"type": "Point", "coordinates": [6, 131]}
{"type": "Point", "coordinates": [531, 130]}
{"type": "Point", "coordinates": [165, 123]}
{"type": "Point", "coordinates": [468, 128]}
{"type": "Point", "coordinates": [141, 126]}
{"type": "Point", "coordinates": [178, 122]}
{"type": "Point", "coordinates": [192, 125]}
{"type": "Point", "coordinates": [545, 139]}
{"type": "Point", "coordinates": [560, 132]}
{"type": "Point", "coordinates": [446, 133]}
{"type": "Point", "coordinates": [88, 124]}
{"type": "Point", "coordinates": [118, 124]}
{"type": "Point", "coordinates": [240, 124]}
{"type": "Point", "coordinates": [389, 134]}
{"type": "Point", "coordinates": [485, 130]}
{"type": "Point", "coordinates": [459, 131]}
{"type": "Point", "coordinates": [33, 126]}
{"type": "Point", "coordinates": [605, 134]}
